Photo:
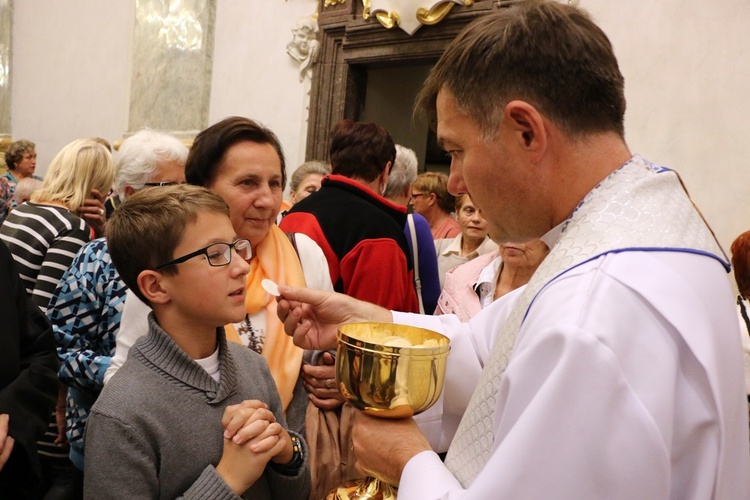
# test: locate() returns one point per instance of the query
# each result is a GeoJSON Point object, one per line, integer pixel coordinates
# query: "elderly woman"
{"type": "Point", "coordinates": [469, 244]}
{"type": "Point", "coordinates": [431, 199]}
{"type": "Point", "coordinates": [471, 287]}
{"type": "Point", "coordinates": [305, 181]}
{"type": "Point", "coordinates": [147, 159]}
{"type": "Point", "coordinates": [243, 163]}
{"type": "Point", "coordinates": [21, 162]}
{"type": "Point", "coordinates": [417, 230]}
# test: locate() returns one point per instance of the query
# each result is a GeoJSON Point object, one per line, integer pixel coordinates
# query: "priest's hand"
{"type": "Point", "coordinates": [6, 442]}
{"type": "Point", "coordinates": [313, 317]}
{"type": "Point", "coordinates": [384, 446]}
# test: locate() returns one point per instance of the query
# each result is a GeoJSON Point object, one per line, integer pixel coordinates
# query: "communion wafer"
{"type": "Point", "coordinates": [396, 341]}
{"type": "Point", "coordinates": [271, 287]}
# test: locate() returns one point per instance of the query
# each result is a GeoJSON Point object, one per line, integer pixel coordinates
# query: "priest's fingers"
{"type": "Point", "coordinates": [6, 442]}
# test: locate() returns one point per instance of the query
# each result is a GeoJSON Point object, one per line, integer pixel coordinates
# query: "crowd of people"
{"type": "Point", "coordinates": [596, 350]}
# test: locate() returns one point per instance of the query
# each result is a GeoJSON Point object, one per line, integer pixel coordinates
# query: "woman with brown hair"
{"type": "Point", "coordinates": [21, 162]}
{"type": "Point", "coordinates": [471, 242]}
{"type": "Point", "coordinates": [243, 162]}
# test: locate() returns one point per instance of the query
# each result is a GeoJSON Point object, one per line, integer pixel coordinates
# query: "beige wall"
{"type": "Point", "coordinates": [72, 66]}
{"type": "Point", "coordinates": [683, 62]}
{"type": "Point", "coordinates": [686, 77]}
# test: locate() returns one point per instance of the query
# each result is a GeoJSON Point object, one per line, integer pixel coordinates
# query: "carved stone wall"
{"type": "Point", "coordinates": [351, 44]}
{"type": "Point", "coordinates": [172, 62]}
{"type": "Point", "coordinates": [6, 40]}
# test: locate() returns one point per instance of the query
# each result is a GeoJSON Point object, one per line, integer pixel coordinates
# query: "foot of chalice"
{"type": "Point", "coordinates": [387, 371]}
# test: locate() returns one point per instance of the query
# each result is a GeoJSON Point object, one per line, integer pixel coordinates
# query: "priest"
{"type": "Point", "coordinates": [617, 372]}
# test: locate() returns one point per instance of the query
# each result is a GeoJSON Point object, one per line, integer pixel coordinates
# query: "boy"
{"type": "Point", "coordinates": [188, 414]}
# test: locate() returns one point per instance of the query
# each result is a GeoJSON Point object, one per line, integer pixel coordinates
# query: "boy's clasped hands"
{"type": "Point", "coordinates": [252, 437]}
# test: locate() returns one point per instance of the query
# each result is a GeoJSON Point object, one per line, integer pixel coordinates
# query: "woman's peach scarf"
{"type": "Point", "coordinates": [276, 259]}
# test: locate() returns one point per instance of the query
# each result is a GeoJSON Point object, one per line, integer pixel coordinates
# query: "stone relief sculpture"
{"type": "Point", "coordinates": [6, 42]}
{"type": "Point", "coordinates": [172, 65]}
{"type": "Point", "coordinates": [304, 47]}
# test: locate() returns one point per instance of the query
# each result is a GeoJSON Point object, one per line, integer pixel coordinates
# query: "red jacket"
{"type": "Point", "coordinates": [362, 237]}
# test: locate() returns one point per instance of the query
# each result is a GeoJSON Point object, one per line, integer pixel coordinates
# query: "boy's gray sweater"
{"type": "Point", "coordinates": [155, 431]}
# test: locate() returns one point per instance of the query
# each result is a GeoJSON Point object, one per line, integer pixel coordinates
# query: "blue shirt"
{"type": "Point", "coordinates": [85, 311]}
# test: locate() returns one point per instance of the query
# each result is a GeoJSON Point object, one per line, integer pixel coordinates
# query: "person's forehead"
{"type": "Point", "coordinates": [451, 119]}
{"type": "Point", "coordinates": [312, 177]}
{"type": "Point", "coordinates": [173, 169]}
{"type": "Point", "coordinates": [252, 158]}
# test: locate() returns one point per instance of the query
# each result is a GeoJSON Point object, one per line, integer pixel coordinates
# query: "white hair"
{"type": "Point", "coordinates": [403, 172]}
{"type": "Point", "coordinates": [140, 155]}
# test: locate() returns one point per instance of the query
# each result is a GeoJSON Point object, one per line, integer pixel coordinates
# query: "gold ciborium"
{"type": "Point", "coordinates": [388, 371]}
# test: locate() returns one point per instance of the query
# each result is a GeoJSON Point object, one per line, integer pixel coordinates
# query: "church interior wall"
{"type": "Point", "coordinates": [683, 62]}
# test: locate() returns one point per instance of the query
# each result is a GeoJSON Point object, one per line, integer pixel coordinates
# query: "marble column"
{"type": "Point", "coordinates": [6, 38]}
{"type": "Point", "coordinates": [172, 59]}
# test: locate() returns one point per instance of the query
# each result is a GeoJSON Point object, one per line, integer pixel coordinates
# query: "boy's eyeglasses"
{"type": "Point", "coordinates": [217, 254]}
{"type": "Point", "coordinates": [161, 184]}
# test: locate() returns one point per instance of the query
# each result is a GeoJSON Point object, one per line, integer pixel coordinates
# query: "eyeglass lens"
{"type": "Point", "coordinates": [160, 184]}
{"type": "Point", "coordinates": [220, 254]}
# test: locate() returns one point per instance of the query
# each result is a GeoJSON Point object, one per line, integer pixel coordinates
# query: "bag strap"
{"type": "Point", "coordinates": [415, 259]}
{"type": "Point", "coordinates": [293, 240]}
{"type": "Point", "coordinates": [743, 311]}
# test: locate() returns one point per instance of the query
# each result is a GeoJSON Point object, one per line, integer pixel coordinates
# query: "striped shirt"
{"type": "Point", "coordinates": [43, 239]}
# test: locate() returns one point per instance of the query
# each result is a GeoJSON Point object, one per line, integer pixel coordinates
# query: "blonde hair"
{"type": "Point", "coordinates": [437, 183]}
{"type": "Point", "coordinates": [80, 167]}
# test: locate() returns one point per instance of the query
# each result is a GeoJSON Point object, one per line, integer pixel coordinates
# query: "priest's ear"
{"type": "Point", "coordinates": [528, 125]}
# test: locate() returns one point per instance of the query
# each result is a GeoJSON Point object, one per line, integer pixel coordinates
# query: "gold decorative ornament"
{"type": "Point", "coordinates": [409, 15]}
{"type": "Point", "coordinates": [329, 3]}
{"type": "Point", "coordinates": [366, 10]}
{"type": "Point", "coordinates": [388, 20]}
{"type": "Point", "coordinates": [438, 11]}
